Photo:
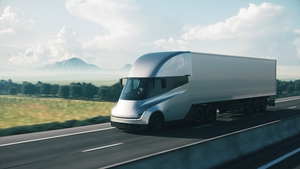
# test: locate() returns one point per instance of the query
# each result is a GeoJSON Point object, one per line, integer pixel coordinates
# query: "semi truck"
{"type": "Point", "coordinates": [166, 88]}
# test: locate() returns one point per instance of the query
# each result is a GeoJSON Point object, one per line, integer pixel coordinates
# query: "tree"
{"type": "Point", "coordinates": [46, 88]}
{"type": "Point", "coordinates": [89, 90]}
{"type": "Point", "coordinates": [297, 86]}
{"type": "Point", "coordinates": [76, 91]}
{"type": "Point", "coordinates": [103, 90]}
{"type": "Point", "coordinates": [54, 89]}
{"type": "Point", "coordinates": [13, 91]}
{"type": "Point", "coordinates": [2, 85]}
{"type": "Point", "coordinates": [63, 91]}
{"type": "Point", "coordinates": [28, 88]}
{"type": "Point", "coordinates": [114, 93]}
{"type": "Point", "coordinates": [38, 87]}
{"type": "Point", "coordinates": [290, 88]}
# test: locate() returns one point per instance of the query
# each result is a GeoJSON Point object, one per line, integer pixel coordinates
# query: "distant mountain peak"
{"type": "Point", "coordinates": [127, 67]}
{"type": "Point", "coordinates": [72, 64]}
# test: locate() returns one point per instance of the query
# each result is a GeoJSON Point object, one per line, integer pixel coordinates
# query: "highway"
{"type": "Point", "coordinates": [282, 155]}
{"type": "Point", "coordinates": [102, 146]}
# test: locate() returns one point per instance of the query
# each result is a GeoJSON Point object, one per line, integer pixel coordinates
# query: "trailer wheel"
{"type": "Point", "coordinates": [156, 123]}
{"type": "Point", "coordinates": [257, 105]}
{"type": "Point", "coordinates": [263, 104]}
{"type": "Point", "coordinates": [199, 116]}
{"type": "Point", "coordinates": [248, 109]}
{"type": "Point", "coordinates": [210, 114]}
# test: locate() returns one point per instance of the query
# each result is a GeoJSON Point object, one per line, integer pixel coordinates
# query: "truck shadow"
{"type": "Point", "coordinates": [225, 124]}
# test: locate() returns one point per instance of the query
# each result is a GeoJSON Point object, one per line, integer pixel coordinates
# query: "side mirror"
{"type": "Point", "coordinates": [122, 81]}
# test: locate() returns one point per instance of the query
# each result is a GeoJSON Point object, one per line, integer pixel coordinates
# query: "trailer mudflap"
{"type": "Point", "coordinates": [271, 102]}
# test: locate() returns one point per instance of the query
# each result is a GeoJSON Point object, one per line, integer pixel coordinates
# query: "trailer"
{"type": "Point", "coordinates": [172, 87]}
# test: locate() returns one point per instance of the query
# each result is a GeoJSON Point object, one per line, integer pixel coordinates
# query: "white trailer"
{"type": "Point", "coordinates": [169, 87]}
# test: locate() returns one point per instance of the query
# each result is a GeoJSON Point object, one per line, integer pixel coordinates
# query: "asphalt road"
{"type": "Point", "coordinates": [101, 146]}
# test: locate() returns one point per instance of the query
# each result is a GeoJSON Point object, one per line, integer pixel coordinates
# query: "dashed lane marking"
{"type": "Point", "coordinates": [98, 148]}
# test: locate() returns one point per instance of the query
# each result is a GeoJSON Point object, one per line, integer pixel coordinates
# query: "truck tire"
{"type": "Point", "coordinates": [248, 109]}
{"type": "Point", "coordinates": [210, 114]}
{"type": "Point", "coordinates": [156, 123]}
{"type": "Point", "coordinates": [257, 105]}
{"type": "Point", "coordinates": [199, 116]}
{"type": "Point", "coordinates": [263, 104]}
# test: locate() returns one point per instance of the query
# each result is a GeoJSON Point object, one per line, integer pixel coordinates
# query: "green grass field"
{"type": "Point", "coordinates": [26, 111]}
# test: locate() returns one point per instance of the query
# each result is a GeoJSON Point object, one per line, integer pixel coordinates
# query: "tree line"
{"type": "Point", "coordinates": [288, 87]}
{"type": "Point", "coordinates": [73, 90]}
{"type": "Point", "coordinates": [103, 93]}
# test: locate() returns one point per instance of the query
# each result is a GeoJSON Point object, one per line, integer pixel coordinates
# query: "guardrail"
{"type": "Point", "coordinates": [215, 151]}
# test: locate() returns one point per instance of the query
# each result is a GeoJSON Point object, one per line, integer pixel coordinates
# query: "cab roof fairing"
{"type": "Point", "coordinates": [149, 64]}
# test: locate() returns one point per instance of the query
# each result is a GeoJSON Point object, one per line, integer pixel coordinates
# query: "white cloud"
{"type": "Point", "coordinates": [292, 72]}
{"type": "Point", "coordinates": [16, 32]}
{"type": "Point", "coordinates": [297, 31]}
{"type": "Point", "coordinates": [128, 32]}
{"type": "Point", "coordinates": [249, 22]}
{"type": "Point", "coordinates": [121, 19]}
{"type": "Point", "coordinates": [64, 46]}
{"type": "Point", "coordinates": [126, 26]}
{"type": "Point", "coordinates": [297, 42]}
{"type": "Point", "coordinates": [113, 15]}
{"type": "Point", "coordinates": [14, 18]}
{"type": "Point", "coordinates": [32, 56]}
{"type": "Point", "coordinates": [15, 27]}
{"type": "Point", "coordinates": [7, 31]}
{"type": "Point", "coordinates": [258, 31]}
{"type": "Point", "coordinates": [118, 17]}
{"type": "Point", "coordinates": [171, 44]}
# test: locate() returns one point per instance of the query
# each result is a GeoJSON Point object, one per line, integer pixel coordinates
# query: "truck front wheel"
{"type": "Point", "coordinates": [156, 123]}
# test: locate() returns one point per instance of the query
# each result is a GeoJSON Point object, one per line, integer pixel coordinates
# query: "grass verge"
{"type": "Point", "coordinates": [53, 126]}
{"type": "Point", "coordinates": [23, 114]}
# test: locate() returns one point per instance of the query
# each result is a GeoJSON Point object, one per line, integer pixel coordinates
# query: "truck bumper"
{"type": "Point", "coordinates": [124, 126]}
{"type": "Point", "coordinates": [129, 124]}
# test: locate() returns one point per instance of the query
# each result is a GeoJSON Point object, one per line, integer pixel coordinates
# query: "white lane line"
{"type": "Point", "coordinates": [97, 148]}
{"type": "Point", "coordinates": [191, 144]}
{"type": "Point", "coordinates": [280, 159]}
{"type": "Point", "coordinates": [286, 99]}
{"type": "Point", "coordinates": [47, 138]}
{"type": "Point", "coordinates": [292, 107]}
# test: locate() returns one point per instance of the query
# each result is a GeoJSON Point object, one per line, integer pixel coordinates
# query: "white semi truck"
{"type": "Point", "coordinates": [171, 87]}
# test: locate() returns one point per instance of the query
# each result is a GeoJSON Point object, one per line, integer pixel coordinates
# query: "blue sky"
{"type": "Point", "coordinates": [113, 33]}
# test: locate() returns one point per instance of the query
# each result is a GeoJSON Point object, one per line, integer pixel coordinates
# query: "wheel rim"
{"type": "Point", "coordinates": [199, 116]}
{"type": "Point", "coordinates": [156, 123]}
{"type": "Point", "coordinates": [257, 105]}
{"type": "Point", "coordinates": [210, 113]}
{"type": "Point", "coordinates": [263, 104]}
{"type": "Point", "coordinates": [250, 106]}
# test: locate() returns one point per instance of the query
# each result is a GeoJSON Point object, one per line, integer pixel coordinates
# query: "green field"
{"type": "Point", "coordinates": [26, 111]}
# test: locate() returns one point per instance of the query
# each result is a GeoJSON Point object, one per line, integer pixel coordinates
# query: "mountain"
{"type": "Point", "coordinates": [127, 67]}
{"type": "Point", "coordinates": [73, 64]}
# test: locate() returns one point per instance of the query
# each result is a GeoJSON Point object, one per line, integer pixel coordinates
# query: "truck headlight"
{"type": "Point", "coordinates": [140, 115]}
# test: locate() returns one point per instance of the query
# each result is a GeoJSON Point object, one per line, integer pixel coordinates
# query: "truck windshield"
{"type": "Point", "coordinates": [143, 88]}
